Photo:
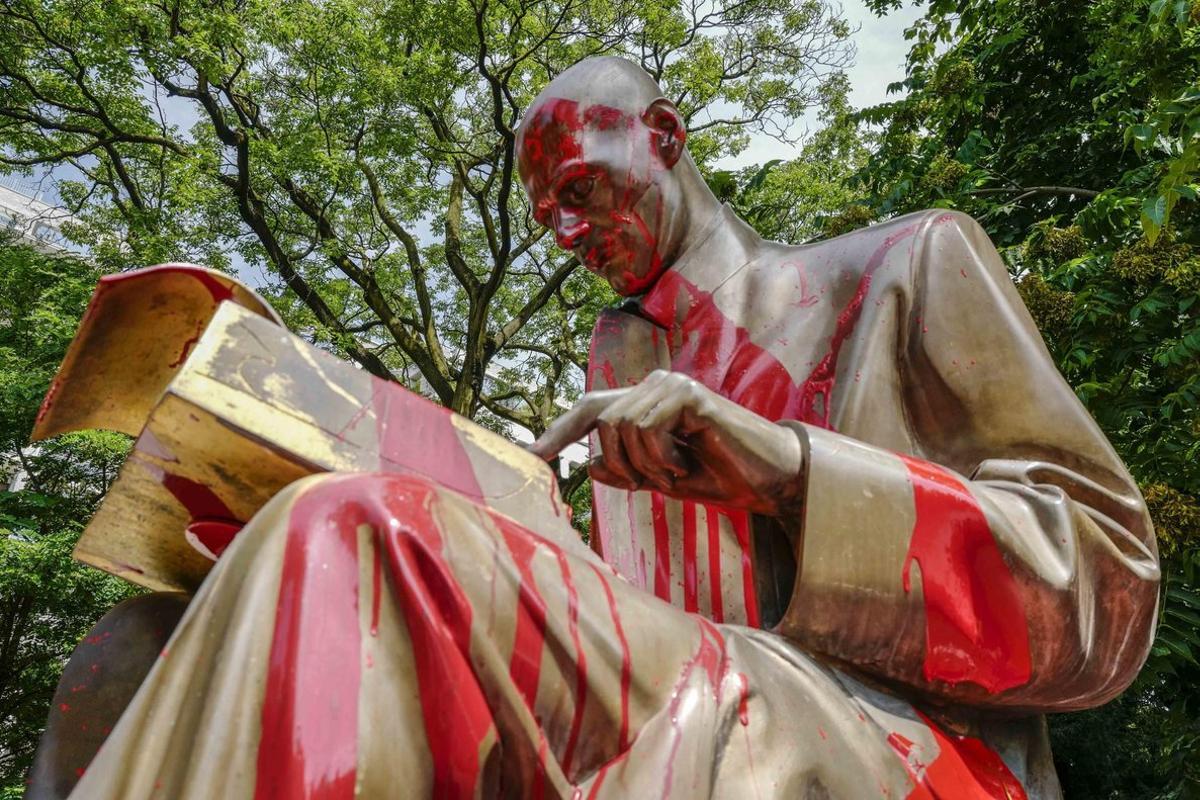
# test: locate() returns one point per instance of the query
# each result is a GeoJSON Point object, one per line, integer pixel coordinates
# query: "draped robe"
{"type": "Point", "coordinates": [969, 555]}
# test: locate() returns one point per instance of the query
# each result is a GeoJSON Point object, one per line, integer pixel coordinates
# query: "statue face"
{"type": "Point", "coordinates": [595, 176]}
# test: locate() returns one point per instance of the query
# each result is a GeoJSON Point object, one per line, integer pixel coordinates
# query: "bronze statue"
{"type": "Point", "coordinates": [853, 534]}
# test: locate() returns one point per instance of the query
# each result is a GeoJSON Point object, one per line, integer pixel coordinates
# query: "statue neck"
{"type": "Point", "coordinates": [718, 244]}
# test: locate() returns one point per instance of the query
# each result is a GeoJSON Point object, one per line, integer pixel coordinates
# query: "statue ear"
{"type": "Point", "coordinates": [667, 130]}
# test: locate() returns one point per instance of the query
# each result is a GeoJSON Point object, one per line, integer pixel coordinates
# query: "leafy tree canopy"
{"type": "Point", "coordinates": [47, 601]}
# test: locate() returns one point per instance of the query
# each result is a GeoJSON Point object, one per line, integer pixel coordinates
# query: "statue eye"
{"type": "Point", "coordinates": [578, 190]}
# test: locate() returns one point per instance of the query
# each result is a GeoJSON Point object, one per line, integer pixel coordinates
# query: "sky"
{"type": "Point", "coordinates": [879, 61]}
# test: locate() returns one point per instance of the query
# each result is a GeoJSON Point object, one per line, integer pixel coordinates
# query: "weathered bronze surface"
{"type": "Point", "coordinates": [853, 533]}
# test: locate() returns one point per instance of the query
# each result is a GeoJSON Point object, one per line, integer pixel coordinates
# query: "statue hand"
{"type": "Point", "coordinates": [673, 434]}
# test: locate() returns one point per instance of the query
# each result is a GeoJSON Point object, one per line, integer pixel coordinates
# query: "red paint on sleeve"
{"type": "Point", "coordinates": [975, 627]}
{"type": "Point", "coordinates": [964, 769]}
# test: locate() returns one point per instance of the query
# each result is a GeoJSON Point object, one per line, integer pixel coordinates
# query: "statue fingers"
{"type": "Point", "coordinates": [599, 471]}
{"type": "Point", "coordinates": [613, 450]}
{"type": "Point", "coordinates": [575, 423]}
{"type": "Point", "coordinates": [644, 461]}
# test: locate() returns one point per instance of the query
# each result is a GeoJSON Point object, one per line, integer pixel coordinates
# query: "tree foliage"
{"type": "Point", "coordinates": [360, 154]}
{"type": "Point", "coordinates": [47, 601]}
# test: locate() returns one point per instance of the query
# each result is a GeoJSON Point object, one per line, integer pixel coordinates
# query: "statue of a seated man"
{"type": "Point", "coordinates": [853, 536]}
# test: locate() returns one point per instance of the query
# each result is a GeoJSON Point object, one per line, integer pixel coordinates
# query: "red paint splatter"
{"type": "Point", "coordinates": [212, 536]}
{"type": "Point", "coordinates": [438, 615]}
{"type": "Point", "coordinates": [212, 525]}
{"type": "Point", "coordinates": [309, 744]}
{"type": "Point", "coordinates": [717, 608]}
{"type": "Point", "coordinates": [662, 547]}
{"type": "Point", "coordinates": [975, 627]}
{"type": "Point", "coordinates": [580, 661]}
{"type": "Point", "coordinates": [626, 661]}
{"type": "Point", "coordinates": [691, 602]}
{"type": "Point", "coordinates": [964, 767]}
{"type": "Point", "coordinates": [416, 435]}
{"type": "Point", "coordinates": [710, 658]}
{"type": "Point", "coordinates": [744, 700]}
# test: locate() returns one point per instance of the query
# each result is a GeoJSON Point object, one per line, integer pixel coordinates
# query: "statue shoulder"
{"type": "Point", "coordinates": [911, 240]}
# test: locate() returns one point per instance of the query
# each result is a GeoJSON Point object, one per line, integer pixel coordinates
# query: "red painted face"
{"type": "Point", "coordinates": [593, 178]}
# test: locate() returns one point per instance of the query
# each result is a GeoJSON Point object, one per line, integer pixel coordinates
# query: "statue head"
{"type": "Point", "coordinates": [601, 155]}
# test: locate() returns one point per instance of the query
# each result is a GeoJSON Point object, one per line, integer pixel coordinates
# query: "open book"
{"type": "Point", "coordinates": [228, 407]}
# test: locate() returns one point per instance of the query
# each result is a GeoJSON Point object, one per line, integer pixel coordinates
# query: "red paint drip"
{"type": "Point", "coordinates": [417, 435]}
{"type": "Point", "coordinates": [626, 661]}
{"type": "Point", "coordinates": [662, 547]}
{"type": "Point", "coordinates": [309, 744]}
{"type": "Point", "coordinates": [710, 658]}
{"type": "Point", "coordinates": [975, 627]}
{"type": "Point", "coordinates": [691, 602]}
{"type": "Point", "coordinates": [741, 529]}
{"type": "Point", "coordinates": [965, 769]}
{"type": "Point", "coordinates": [580, 662]}
{"type": "Point", "coordinates": [525, 666]}
{"type": "Point", "coordinates": [714, 563]}
{"type": "Point", "coordinates": [212, 536]}
{"type": "Point", "coordinates": [438, 615]}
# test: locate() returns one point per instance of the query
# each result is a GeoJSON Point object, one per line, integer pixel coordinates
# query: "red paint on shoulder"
{"type": "Point", "coordinates": [820, 382]}
{"type": "Point", "coordinates": [975, 626]}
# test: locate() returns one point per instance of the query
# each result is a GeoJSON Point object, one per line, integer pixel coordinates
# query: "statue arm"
{"type": "Point", "coordinates": [1009, 560]}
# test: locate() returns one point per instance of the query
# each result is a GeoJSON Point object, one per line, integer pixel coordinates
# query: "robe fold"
{"type": "Point", "coordinates": [970, 554]}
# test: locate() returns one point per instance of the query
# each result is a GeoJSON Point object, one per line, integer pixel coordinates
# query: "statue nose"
{"type": "Point", "coordinates": [571, 231]}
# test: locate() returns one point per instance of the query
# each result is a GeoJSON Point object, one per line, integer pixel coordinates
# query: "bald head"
{"type": "Point", "coordinates": [605, 80]}
{"type": "Point", "coordinates": [601, 155]}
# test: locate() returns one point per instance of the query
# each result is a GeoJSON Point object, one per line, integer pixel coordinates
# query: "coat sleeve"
{"type": "Point", "coordinates": [1008, 559]}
